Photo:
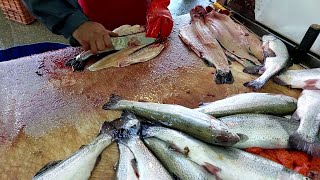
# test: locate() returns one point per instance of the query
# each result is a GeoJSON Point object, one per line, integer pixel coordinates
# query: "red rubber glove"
{"type": "Point", "coordinates": [159, 19]}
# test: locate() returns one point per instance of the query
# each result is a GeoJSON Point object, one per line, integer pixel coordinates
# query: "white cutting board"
{"type": "Point", "coordinates": [290, 18]}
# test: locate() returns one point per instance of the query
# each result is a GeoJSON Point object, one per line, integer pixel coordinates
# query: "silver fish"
{"type": "Point", "coordinates": [147, 164]}
{"type": "Point", "coordinates": [126, 167]}
{"type": "Point", "coordinates": [176, 162]}
{"type": "Point", "coordinates": [261, 130]}
{"type": "Point", "coordinates": [260, 103]}
{"type": "Point", "coordinates": [308, 112]}
{"type": "Point", "coordinates": [80, 164]}
{"type": "Point", "coordinates": [224, 162]}
{"type": "Point", "coordinates": [197, 124]}
{"type": "Point", "coordinates": [277, 59]}
{"type": "Point", "coordinates": [302, 79]}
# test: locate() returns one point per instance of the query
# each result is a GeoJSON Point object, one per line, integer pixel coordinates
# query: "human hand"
{"type": "Point", "coordinates": [159, 19]}
{"type": "Point", "coordinates": [93, 36]}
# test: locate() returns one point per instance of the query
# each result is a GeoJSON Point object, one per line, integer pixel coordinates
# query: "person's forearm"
{"type": "Point", "coordinates": [60, 16]}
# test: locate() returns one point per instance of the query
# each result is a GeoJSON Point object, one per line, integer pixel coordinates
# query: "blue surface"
{"type": "Point", "coordinates": [27, 50]}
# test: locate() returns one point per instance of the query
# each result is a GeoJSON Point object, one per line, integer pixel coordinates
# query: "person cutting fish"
{"type": "Point", "coordinates": [90, 21]}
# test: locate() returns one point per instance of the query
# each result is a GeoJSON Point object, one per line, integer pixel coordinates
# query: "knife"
{"type": "Point", "coordinates": [118, 43]}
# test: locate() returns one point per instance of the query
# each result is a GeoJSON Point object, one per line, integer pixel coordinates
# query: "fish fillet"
{"type": "Point", "coordinates": [128, 56]}
{"type": "Point", "coordinates": [199, 38]}
{"type": "Point", "coordinates": [232, 36]}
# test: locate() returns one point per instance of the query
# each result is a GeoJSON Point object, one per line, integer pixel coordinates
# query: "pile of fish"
{"type": "Point", "coordinates": [130, 55]}
{"type": "Point", "coordinates": [167, 141]}
{"type": "Point", "coordinates": [209, 28]}
{"type": "Point", "coordinates": [217, 38]}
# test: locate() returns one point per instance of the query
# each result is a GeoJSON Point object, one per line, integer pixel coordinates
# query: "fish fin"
{"type": "Point", "coordinates": [296, 141]}
{"type": "Point", "coordinates": [255, 84]}
{"type": "Point", "coordinates": [253, 69]}
{"type": "Point", "coordinates": [224, 78]}
{"type": "Point", "coordinates": [97, 160]}
{"type": "Point", "coordinates": [243, 137]}
{"type": "Point", "coordinates": [202, 104]}
{"type": "Point", "coordinates": [278, 81]}
{"type": "Point", "coordinates": [311, 84]}
{"type": "Point", "coordinates": [267, 52]}
{"type": "Point", "coordinates": [113, 100]}
{"type": "Point", "coordinates": [82, 146]}
{"type": "Point", "coordinates": [106, 127]}
{"type": "Point", "coordinates": [47, 167]}
{"type": "Point", "coordinates": [135, 167]}
{"type": "Point", "coordinates": [212, 169]}
{"type": "Point", "coordinates": [295, 116]}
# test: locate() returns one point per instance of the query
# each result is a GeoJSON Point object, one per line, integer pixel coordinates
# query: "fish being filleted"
{"type": "Point", "coordinates": [223, 162]}
{"type": "Point", "coordinates": [126, 168]}
{"type": "Point", "coordinates": [194, 123]}
{"type": "Point", "coordinates": [145, 164]}
{"type": "Point", "coordinates": [277, 59]}
{"type": "Point", "coordinates": [128, 56]}
{"type": "Point", "coordinates": [176, 162]}
{"type": "Point", "coordinates": [258, 103]}
{"type": "Point", "coordinates": [261, 130]}
{"type": "Point", "coordinates": [308, 112]}
{"type": "Point", "coordinates": [303, 79]}
{"type": "Point", "coordinates": [81, 163]}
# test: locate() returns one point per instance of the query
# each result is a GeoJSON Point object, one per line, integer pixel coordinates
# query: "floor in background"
{"type": "Point", "coordinates": [14, 34]}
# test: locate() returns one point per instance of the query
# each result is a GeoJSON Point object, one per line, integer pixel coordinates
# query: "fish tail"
{"type": "Point", "coordinates": [297, 141]}
{"type": "Point", "coordinates": [224, 77]}
{"type": "Point", "coordinates": [113, 101]}
{"type": "Point", "coordinates": [255, 84]}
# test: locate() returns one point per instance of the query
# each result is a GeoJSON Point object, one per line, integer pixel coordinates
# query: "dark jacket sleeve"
{"type": "Point", "coordinates": [60, 16]}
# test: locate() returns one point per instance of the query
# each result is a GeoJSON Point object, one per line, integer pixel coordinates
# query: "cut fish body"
{"type": "Point", "coordinates": [231, 35]}
{"type": "Point", "coordinates": [303, 79]}
{"type": "Point", "coordinates": [199, 38]}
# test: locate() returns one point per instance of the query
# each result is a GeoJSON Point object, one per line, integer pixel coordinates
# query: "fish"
{"type": "Point", "coordinates": [126, 29]}
{"type": "Point", "coordinates": [176, 162]}
{"type": "Point", "coordinates": [142, 161]}
{"type": "Point", "coordinates": [145, 54]}
{"type": "Point", "coordinates": [231, 36]}
{"type": "Point", "coordinates": [258, 103]}
{"type": "Point", "coordinates": [204, 44]}
{"type": "Point", "coordinates": [277, 60]}
{"type": "Point", "coordinates": [197, 124]}
{"type": "Point", "coordinates": [308, 113]}
{"type": "Point", "coordinates": [223, 162]}
{"type": "Point", "coordinates": [127, 165]}
{"type": "Point", "coordinates": [261, 130]}
{"type": "Point", "coordinates": [147, 164]}
{"type": "Point", "coordinates": [128, 56]}
{"type": "Point", "coordinates": [302, 79]}
{"type": "Point", "coordinates": [81, 163]}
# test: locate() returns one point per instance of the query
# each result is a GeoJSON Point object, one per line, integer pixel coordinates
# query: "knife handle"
{"type": "Point", "coordinates": [73, 42]}
{"type": "Point", "coordinates": [308, 40]}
